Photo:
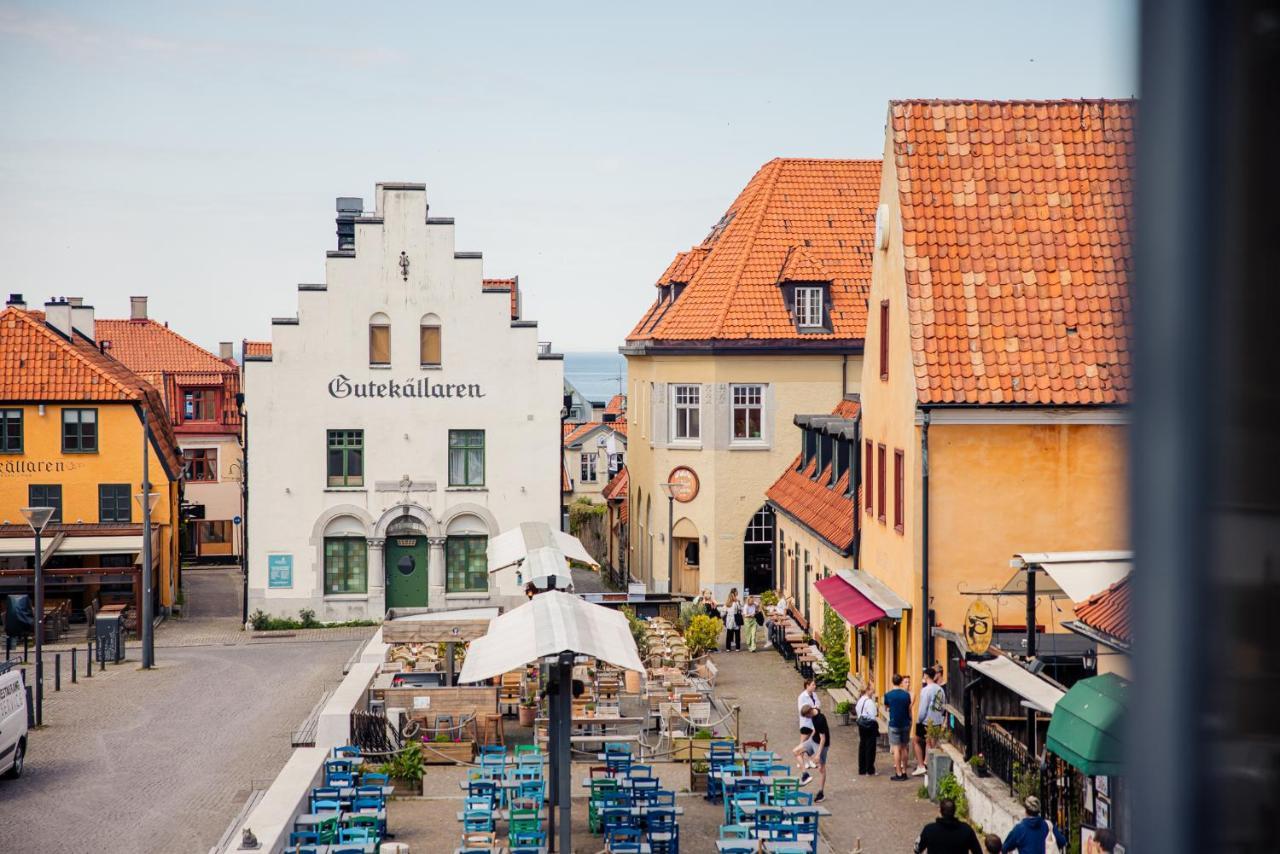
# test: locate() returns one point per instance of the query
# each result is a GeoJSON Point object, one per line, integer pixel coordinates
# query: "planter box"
{"type": "Point", "coordinates": [407, 788]}
{"type": "Point", "coordinates": [447, 753]}
{"type": "Point", "coordinates": [699, 783]}
{"type": "Point", "coordinates": [685, 749]}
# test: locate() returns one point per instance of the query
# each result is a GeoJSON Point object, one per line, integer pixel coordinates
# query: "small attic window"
{"type": "Point", "coordinates": [809, 308]}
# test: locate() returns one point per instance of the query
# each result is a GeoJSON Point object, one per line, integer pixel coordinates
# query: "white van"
{"type": "Point", "coordinates": [13, 723]}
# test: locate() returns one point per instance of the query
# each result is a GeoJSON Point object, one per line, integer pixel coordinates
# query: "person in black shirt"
{"type": "Point", "coordinates": [818, 745]}
{"type": "Point", "coordinates": [948, 835]}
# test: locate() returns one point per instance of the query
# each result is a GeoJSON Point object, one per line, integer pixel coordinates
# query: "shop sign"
{"type": "Point", "coordinates": [684, 484]}
{"type": "Point", "coordinates": [279, 570]}
{"type": "Point", "coordinates": [979, 623]}
{"type": "Point", "coordinates": [341, 387]}
{"type": "Point", "coordinates": [37, 466]}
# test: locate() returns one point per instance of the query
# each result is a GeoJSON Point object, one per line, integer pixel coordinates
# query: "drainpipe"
{"type": "Point", "coordinates": [244, 518]}
{"type": "Point", "coordinates": [926, 651]}
{"type": "Point", "coordinates": [857, 511]}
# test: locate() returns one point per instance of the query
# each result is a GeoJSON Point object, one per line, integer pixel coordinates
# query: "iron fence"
{"type": "Point", "coordinates": [1058, 785]}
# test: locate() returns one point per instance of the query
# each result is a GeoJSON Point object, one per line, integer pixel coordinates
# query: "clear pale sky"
{"type": "Point", "coordinates": [192, 151]}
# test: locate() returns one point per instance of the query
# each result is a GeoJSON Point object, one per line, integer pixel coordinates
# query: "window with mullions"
{"type": "Point", "coordinates": [114, 504]}
{"type": "Point", "coordinates": [10, 431]}
{"type": "Point", "coordinates": [199, 404]}
{"type": "Point", "coordinates": [748, 412]}
{"type": "Point", "coordinates": [809, 307]}
{"type": "Point", "coordinates": [46, 495]}
{"type": "Point", "coordinates": [79, 431]}
{"type": "Point", "coordinates": [466, 458]}
{"type": "Point", "coordinates": [760, 528]}
{"type": "Point", "coordinates": [345, 565]}
{"type": "Point", "coordinates": [346, 458]}
{"type": "Point", "coordinates": [200, 464]}
{"type": "Point", "coordinates": [589, 468]}
{"type": "Point", "coordinates": [686, 412]}
{"type": "Point", "coordinates": [466, 564]}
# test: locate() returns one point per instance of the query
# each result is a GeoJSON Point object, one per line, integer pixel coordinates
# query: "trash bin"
{"type": "Point", "coordinates": [109, 634]}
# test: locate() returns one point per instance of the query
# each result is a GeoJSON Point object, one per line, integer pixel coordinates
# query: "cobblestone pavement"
{"type": "Point", "coordinates": [162, 761]}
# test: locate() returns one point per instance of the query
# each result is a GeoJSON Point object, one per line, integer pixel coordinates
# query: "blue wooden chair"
{"type": "Point", "coordinates": [374, 778]}
{"type": "Point", "coordinates": [793, 799]}
{"type": "Point", "coordinates": [768, 821]}
{"type": "Point", "coordinates": [483, 789]}
{"type": "Point", "coordinates": [805, 824]}
{"type": "Point", "coordinates": [662, 831]}
{"type": "Point", "coordinates": [356, 834]}
{"type": "Point", "coordinates": [304, 837]}
{"type": "Point", "coordinates": [341, 779]}
{"type": "Point", "coordinates": [477, 821]}
{"type": "Point", "coordinates": [623, 835]}
{"type": "Point", "coordinates": [346, 751]}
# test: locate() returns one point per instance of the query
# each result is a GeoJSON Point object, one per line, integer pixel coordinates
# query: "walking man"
{"type": "Point", "coordinates": [1034, 835]}
{"type": "Point", "coordinates": [815, 748]}
{"type": "Point", "coordinates": [868, 729]}
{"type": "Point", "coordinates": [929, 713]}
{"type": "Point", "coordinates": [898, 703]}
{"type": "Point", "coordinates": [948, 835]}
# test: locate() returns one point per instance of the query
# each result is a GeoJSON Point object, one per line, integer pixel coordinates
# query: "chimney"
{"type": "Point", "coordinates": [226, 351]}
{"type": "Point", "coordinates": [348, 207]}
{"type": "Point", "coordinates": [137, 308]}
{"type": "Point", "coordinates": [57, 314]}
{"type": "Point", "coordinates": [17, 301]}
{"type": "Point", "coordinates": [82, 318]}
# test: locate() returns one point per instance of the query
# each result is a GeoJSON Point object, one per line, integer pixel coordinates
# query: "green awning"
{"type": "Point", "coordinates": [1087, 725]}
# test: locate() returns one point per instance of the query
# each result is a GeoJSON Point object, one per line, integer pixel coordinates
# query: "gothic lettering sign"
{"type": "Point", "coordinates": [37, 466]}
{"type": "Point", "coordinates": [341, 387]}
{"type": "Point", "coordinates": [978, 626]}
{"type": "Point", "coordinates": [684, 484]}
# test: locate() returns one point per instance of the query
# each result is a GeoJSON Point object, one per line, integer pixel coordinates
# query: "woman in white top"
{"type": "Point", "coordinates": [868, 729]}
{"type": "Point", "coordinates": [732, 622]}
{"type": "Point", "coordinates": [807, 698]}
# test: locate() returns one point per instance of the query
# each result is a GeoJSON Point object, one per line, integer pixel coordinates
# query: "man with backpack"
{"type": "Point", "coordinates": [931, 711]}
{"type": "Point", "coordinates": [1034, 835]}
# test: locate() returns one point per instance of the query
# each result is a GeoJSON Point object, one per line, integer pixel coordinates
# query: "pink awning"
{"type": "Point", "coordinates": [848, 601]}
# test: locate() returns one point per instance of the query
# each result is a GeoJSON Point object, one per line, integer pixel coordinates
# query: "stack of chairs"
{"type": "Point", "coordinates": [506, 787]}
{"type": "Point", "coordinates": [721, 758]}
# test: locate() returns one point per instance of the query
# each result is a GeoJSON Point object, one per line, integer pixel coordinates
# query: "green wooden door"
{"type": "Point", "coordinates": [406, 568]}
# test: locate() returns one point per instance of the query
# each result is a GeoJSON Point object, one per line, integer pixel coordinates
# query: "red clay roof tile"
{"type": "Point", "coordinates": [1016, 248]}
{"type": "Point", "coordinates": [1108, 611]}
{"type": "Point", "coordinates": [825, 510]}
{"type": "Point", "coordinates": [826, 207]}
{"type": "Point", "coordinates": [512, 285]}
{"type": "Point", "coordinates": [257, 348]}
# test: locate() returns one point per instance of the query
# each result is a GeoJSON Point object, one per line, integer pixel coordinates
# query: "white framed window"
{"type": "Point", "coordinates": [809, 307]}
{"type": "Point", "coordinates": [748, 413]}
{"type": "Point", "coordinates": [686, 413]}
{"type": "Point", "coordinates": [589, 468]}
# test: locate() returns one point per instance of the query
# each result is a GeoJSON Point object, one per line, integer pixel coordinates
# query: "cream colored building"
{"type": "Point", "coordinates": [762, 320]}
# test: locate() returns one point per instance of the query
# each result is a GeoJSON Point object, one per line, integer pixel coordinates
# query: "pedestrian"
{"type": "Point", "coordinates": [868, 729]}
{"type": "Point", "coordinates": [929, 712]}
{"type": "Point", "coordinates": [898, 702]}
{"type": "Point", "coordinates": [948, 835]}
{"type": "Point", "coordinates": [1034, 835]}
{"type": "Point", "coordinates": [753, 618]}
{"type": "Point", "coordinates": [733, 622]}
{"type": "Point", "coordinates": [1103, 842]}
{"type": "Point", "coordinates": [816, 747]}
{"type": "Point", "coordinates": [709, 606]}
{"type": "Point", "coordinates": [808, 697]}
{"type": "Point", "coordinates": [992, 843]}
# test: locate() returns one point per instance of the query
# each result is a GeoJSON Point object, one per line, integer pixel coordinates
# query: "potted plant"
{"type": "Point", "coordinates": [698, 778]}
{"type": "Point", "coordinates": [528, 710]}
{"type": "Point", "coordinates": [590, 709]}
{"type": "Point", "coordinates": [978, 763]}
{"type": "Point", "coordinates": [406, 769]}
{"type": "Point", "coordinates": [447, 749]}
{"type": "Point", "coordinates": [844, 709]}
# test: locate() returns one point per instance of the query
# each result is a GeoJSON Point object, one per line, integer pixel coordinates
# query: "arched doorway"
{"type": "Point", "coordinates": [757, 552]}
{"type": "Point", "coordinates": [405, 563]}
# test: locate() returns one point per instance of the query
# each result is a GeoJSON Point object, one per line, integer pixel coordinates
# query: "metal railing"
{"type": "Point", "coordinates": [1058, 785]}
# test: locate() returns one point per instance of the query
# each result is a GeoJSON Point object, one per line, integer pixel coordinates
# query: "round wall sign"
{"type": "Point", "coordinates": [684, 484]}
{"type": "Point", "coordinates": [979, 623]}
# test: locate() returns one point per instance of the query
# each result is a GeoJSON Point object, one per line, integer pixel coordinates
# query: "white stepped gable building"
{"type": "Point", "coordinates": [404, 417]}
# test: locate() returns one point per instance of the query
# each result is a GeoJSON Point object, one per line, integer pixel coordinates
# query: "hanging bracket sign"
{"type": "Point", "coordinates": [979, 623]}
{"type": "Point", "coordinates": [684, 484]}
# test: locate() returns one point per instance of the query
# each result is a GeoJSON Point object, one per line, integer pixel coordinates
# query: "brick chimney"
{"type": "Point", "coordinates": [57, 314]}
{"type": "Point", "coordinates": [137, 308]}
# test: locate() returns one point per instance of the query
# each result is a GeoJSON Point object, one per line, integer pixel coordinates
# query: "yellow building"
{"type": "Point", "coordinates": [998, 369]}
{"type": "Point", "coordinates": [761, 320]}
{"type": "Point", "coordinates": [72, 438]}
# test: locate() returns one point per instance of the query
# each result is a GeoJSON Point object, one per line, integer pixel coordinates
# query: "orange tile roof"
{"type": "Point", "coordinates": [512, 285]}
{"type": "Point", "coordinates": [580, 430]}
{"type": "Point", "coordinates": [617, 486]}
{"type": "Point", "coordinates": [617, 404]}
{"type": "Point", "coordinates": [825, 207]}
{"type": "Point", "coordinates": [150, 347]}
{"type": "Point", "coordinates": [1015, 232]}
{"type": "Point", "coordinates": [1108, 611]}
{"type": "Point", "coordinates": [257, 348]}
{"type": "Point", "coordinates": [825, 510]}
{"type": "Point", "coordinates": [38, 364]}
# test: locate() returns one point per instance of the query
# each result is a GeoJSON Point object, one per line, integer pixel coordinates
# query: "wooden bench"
{"type": "Point", "coordinates": [839, 695]}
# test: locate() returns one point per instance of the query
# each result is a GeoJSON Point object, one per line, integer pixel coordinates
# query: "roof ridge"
{"type": "Point", "coordinates": [152, 322]}
{"type": "Point", "coordinates": [43, 328]}
{"type": "Point", "coordinates": [762, 208]}
{"type": "Point", "coordinates": [1036, 101]}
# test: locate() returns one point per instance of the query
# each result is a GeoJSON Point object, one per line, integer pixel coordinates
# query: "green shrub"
{"type": "Point", "coordinates": [704, 733]}
{"type": "Point", "coordinates": [263, 622]}
{"type": "Point", "coordinates": [835, 639]}
{"type": "Point", "coordinates": [688, 610]}
{"type": "Point", "coordinates": [769, 598]}
{"type": "Point", "coordinates": [844, 707]}
{"type": "Point", "coordinates": [307, 619]}
{"type": "Point", "coordinates": [949, 787]}
{"type": "Point", "coordinates": [408, 764]}
{"type": "Point", "coordinates": [638, 633]}
{"type": "Point", "coordinates": [702, 634]}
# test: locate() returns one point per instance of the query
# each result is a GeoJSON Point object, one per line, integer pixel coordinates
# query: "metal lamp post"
{"type": "Point", "coordinates": [146, 500]}
{"type": "Point", "coordinates": [669, 490]}
{"type": "Point", "coordinates": [37, 518]}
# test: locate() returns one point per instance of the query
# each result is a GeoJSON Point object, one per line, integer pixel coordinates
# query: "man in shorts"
{"type": "Point", "coordinates": [817, 747]}
{"type": "Point", "coordinates": [898, 703]}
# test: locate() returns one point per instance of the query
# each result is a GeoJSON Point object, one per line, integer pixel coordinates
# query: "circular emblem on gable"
{"type": "Point", "coordinates": [979, 624]}
{"type": "Point", "coordinates": [684, 484]}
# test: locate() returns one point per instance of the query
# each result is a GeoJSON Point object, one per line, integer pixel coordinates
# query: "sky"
{"type": "Point", "coordinates": [192, 151]}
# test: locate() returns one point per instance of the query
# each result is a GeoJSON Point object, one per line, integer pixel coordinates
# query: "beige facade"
{"type": "Point", "coordinates": [591, 457]}
{"type": "Point", "coordinates": [805, 559]}
{"type": "Point", "coordinates": [732, 474]}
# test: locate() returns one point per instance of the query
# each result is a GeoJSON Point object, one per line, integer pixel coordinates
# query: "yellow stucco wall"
{"type": "Point", "coordinates": [823, 561]}
{"type": "Point", "coordinates": [118, 460]}
{"type": "Point", "coordinates": [732, 481]}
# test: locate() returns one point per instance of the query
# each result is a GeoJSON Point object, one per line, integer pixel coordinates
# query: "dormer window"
{"type": "Point", "coordinates": [199, 404]}
{"type": "Point", "coordinates": [809, 308]}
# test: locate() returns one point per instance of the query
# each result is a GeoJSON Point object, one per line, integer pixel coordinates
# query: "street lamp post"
{"type": "Point", "coordinates": [37, 518]}
{"type": "Point", "coordinates": [146, 500]}
{"type": "Point", "coordinates": [669, 490]}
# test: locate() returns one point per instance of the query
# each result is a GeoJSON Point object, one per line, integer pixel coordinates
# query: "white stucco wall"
{"type": "Point", "coordinates": [490, 379]}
